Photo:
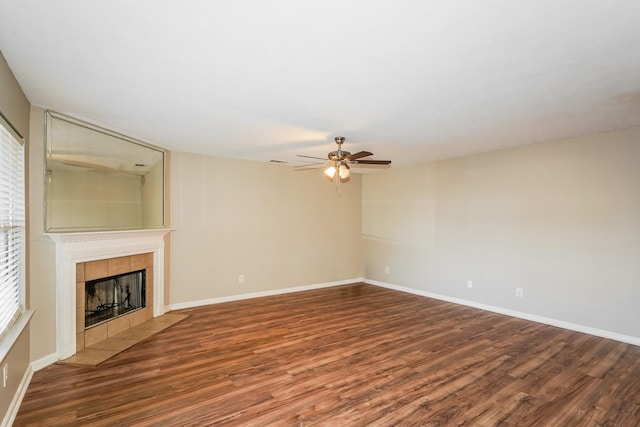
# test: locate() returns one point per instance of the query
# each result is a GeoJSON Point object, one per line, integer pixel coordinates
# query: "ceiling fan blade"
{"type": "Point", "coordinates": [297, 168]}
{"type": "Point", "coordinates": [311, 157]}
{"type": "Point", "coordinates": [308, 164]}
{"type": "Point", "coordinates": [358, 155]}
{"type": "Point", "coordinates": [372, 162]}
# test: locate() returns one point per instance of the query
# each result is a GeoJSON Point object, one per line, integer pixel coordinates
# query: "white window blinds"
{"type": "Point", "coordinates": [12, 229]}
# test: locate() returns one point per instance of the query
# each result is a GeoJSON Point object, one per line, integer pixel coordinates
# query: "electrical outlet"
{"type": "Point", "coordinates": [469, 284]}
{"type": "Point", "coordinates": [386, 269]}
{"type": "Point", "coordinates": [241, 278]}
{"type": "Point", "coordinates": [5, 374]}
{"type": "Point", "coordinates": [519, 293]}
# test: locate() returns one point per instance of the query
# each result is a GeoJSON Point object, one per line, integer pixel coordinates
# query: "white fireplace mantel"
{"type": "Point", "coordinates": [73, 248]}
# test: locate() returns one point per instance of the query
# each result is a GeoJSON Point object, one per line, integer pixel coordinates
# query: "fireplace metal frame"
{"type": "Point", "coordinates": [114, 304]}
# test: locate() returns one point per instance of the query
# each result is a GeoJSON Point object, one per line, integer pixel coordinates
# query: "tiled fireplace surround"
{"type": "Point", "coordinates": [97, 253]}
{"type": "Point", "coordinates": [101, 269]}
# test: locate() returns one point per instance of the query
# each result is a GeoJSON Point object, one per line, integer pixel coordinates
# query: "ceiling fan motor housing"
{"type": "Point", "coordinates": [338, 155]}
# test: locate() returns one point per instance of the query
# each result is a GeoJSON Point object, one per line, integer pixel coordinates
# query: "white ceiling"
{"type": "Point", "coordinates": [410, 80]}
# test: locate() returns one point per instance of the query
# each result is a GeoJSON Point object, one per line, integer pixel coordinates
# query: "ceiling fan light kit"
{"type": "Point", "coordinates": [344, 171]}
{"type": "Point", "coordinates": [338, 162]}
{"type": "Point", "coordinates": [330, 172]}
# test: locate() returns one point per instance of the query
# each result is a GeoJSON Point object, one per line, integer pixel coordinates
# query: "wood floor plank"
{"type": "Point", "coordinates": [355, 355]}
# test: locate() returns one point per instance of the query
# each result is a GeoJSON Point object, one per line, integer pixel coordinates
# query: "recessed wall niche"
{"type": "Point", "coordinates": [99, 180]}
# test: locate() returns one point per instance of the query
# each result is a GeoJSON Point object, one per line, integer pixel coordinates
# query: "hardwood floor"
{"type": "Point", "coordinates": [348, 355]}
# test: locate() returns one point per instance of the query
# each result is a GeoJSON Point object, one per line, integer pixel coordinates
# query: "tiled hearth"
{"type": "Point", "coordinates": [100, 351]}
{"type": "Point", "coordinates": [100, 269]}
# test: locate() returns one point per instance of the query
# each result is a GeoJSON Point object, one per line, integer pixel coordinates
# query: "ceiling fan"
{"type": "Point", "coordinates": [338, 162]}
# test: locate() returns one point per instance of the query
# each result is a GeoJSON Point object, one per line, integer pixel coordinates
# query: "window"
{"type": "Point", "coordinates": [12, 229]}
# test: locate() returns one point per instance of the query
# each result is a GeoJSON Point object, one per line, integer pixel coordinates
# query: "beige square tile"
{"type": "Point", "coordinates": [150, 277]}
{"type": "Point", "coordinates": [79, 319]}
{"type": "Point", "coordinates": [80, 272]}
{"type": "Point", "coordinates": [149, 287]}
{"type": "Point", "coordinates": [95, 269]}
{"type": "Point", "coordinates": [91, 356]}
{"type": "Point", "coordinates": [160, 323]}
{"type": "Point", "coordinates": [152, 325]}
{"type": "Point", "coordinates": [80, 341]}
{"type": "Point", "coordinates": [80, 295]}
{"type": "Point", "coordinates": [113, 344]}
{"type": "Point", "coordinates": [119, 265]}
{"type": "Point", "coordinates": [171, 319]}
{"type": "Point", "coordinates": [149, 297]}
{"type": "Point", "coordinates": [137, 317]}
{"type": "Point", "coordinates": [95, 334]}
{"type": "Point", "coordinates": [141, 261]}
{"type": "Point", "coordinates": [117, 325]}
{"type": "Point", "coordinates": [134, 334]}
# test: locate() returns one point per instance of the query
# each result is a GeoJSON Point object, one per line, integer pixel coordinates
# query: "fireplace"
{"type": "Point", "coordinates": [111, 296]}
{"type": "Point", "coordinates": [114, 296]}
{"type": "Point", "coordinates": [88, 256]}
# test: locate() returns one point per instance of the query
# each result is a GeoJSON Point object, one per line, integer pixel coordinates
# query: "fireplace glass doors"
{"type": "Point", "coordinates": [113, 296]}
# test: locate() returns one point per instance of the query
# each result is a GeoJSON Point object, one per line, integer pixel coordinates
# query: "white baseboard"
{"type": "Point", "coordinates": [14, 407]}
{"type": "Point", "coordinates": [513, 313]}
{"type": "Point", "coordinates": [36, 365]}
{"type": "Point", "coordinates": [198, 303]}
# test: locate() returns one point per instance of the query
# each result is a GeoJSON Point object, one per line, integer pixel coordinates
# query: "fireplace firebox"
{"type": "Point", "coordinates": [111, 297]}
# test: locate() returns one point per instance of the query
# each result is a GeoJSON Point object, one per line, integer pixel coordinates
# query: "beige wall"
{"type": "Point", "coordinates": [167, 222]}
{"type": "Point", "coordinates": [278, 227]}
{"type": "Point", "coordinates": [13, 103]}
{"type": "Point", "coordinates": [152, 200]}
{"type": "Point", "coordinates": [15, 107]}
{"type": "Point", "coordinates": [560, 220]}
{"type": "Point", "coordinates": [42, 250]}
